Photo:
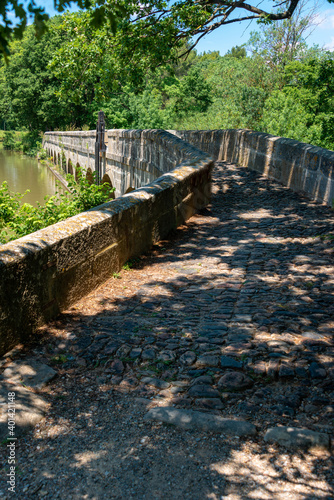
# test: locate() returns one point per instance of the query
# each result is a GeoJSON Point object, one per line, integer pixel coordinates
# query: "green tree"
{"type": "Point", "coordinates": [141, 22]}
{"type": "Point", "coordinates": [31, 99]}
{"type": "Point", "coordinates": [302, 108]}
{"type": "Point", "coordinates": [239, 88]}
{"type": "Point", "coordinates": [284, 41]}
{"type": "Point", "coordinates": [238, 51]}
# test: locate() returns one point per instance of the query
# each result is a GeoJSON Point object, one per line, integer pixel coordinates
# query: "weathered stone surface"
{"type": "Point", "coordinates": [29, 372]}
{"type": "Point", "coordinates": [148, 354]}
{"type": "Point", "coordinates": [166, 356]}
{"type": "Point", "coordinates": [123, 351]}
{"type": "Point", "coordinates": [155, 382]}
{"type": "Point", "coordinates": [273, 367]}
{"type": "Point", "coordinates": [203, 391]}
{"type": "Point", "coordinates": [207, 360]}
{"type": "Point", "coordinates": [116, 366]}
{"type": "Point", "coordinates": [234, 381]}
{"type": "Point", "coordinates": [202, 380]}
{"type": "Point", "coordinates": [188, 419]}
{"type": "Point", "coordinates": [227, 362]}
{"type": "Point", "coordinates": [188, 358]}
{"type": "Point", "coordinates": [135, 353]}
{"type": "Point", "coordinates": [129, 382]}
{"type": "Point", "coordinates": [110, 348]}
{"type": "Point", "coordinates": [259, 368]}
{"type": "Point", "coordinates": [292, 437]}
{"type": "Point", "coordinates": [316, 370]}
{"type": "Point", "coordinates": [82, 343]}
{"type": "Point", "coordinates": [29, 409]}
{"type": "Point", "coordinates": [209, 403]}
{"type": "Point", "coordinates": [286, 371]}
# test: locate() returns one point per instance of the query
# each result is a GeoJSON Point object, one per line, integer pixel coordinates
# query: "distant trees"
{"type": "Point", "coordinates": [239, 52]}
{"type": "Point", "coordinates": [62, 80]}
{"type": "Point", "coordinates": [142, 22]}
{"type": "Point", "coordinates": [303, 107]}
{"type": "Point", "coordinates": [284, 41]}
{"type": "Point", "coordinates": [30, 97]}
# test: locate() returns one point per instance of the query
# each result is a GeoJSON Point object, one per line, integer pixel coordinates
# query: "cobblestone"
{"type": "Point", "coordinates": [243, 293]}
{"type": "Point", "coordinates": [236, 310]}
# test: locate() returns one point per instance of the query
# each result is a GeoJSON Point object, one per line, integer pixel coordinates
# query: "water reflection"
{"type": "Point", "coordinates": [22, 172]}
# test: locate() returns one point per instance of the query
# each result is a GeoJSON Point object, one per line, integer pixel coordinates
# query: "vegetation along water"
{"type": "Point", "coordinates": [30, 197]}
{"type": "Point", "coordinates": [25, 173]}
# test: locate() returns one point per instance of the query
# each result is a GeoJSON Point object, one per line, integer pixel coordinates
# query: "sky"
{"type": "Point", "coordinates": [231, 35]}
{"type": "Point", "coordinates": [234, 34]}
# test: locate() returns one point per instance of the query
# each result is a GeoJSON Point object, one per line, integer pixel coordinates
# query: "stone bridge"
{"type": "Point", "coordinates": [134, 158]}
{"type": "Point", "coordinates": [165, 180]}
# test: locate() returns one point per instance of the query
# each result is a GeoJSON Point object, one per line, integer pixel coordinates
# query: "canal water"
{"type": "Point", "coordinates": [22, 173]}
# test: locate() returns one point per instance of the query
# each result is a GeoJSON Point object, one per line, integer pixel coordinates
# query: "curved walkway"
{"type": "Point", "coordinates": [233, 316]}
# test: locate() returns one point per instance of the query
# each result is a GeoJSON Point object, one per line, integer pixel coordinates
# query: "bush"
{"type": "Point", "coordinates": [17, 220]}
{"type": "Point", "coordinates": [9, 140]}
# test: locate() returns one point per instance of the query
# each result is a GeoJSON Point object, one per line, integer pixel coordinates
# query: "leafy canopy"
{"type": "Point", "coordinates": [141, 21]}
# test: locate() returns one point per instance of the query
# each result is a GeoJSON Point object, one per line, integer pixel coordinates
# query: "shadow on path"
{"type": "Point", "coordinates": [233, 315]}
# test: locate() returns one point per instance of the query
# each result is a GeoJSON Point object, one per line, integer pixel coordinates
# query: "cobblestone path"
{"type": "Point", "coordinates": [233, 315]}
{"type": "Point", "coordinates": [241, 297]}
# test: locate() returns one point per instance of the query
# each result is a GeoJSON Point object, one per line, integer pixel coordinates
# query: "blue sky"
{"type": "Point", "coordinates": [228, 36]}
{"type": "Point", "coordinates": [239, 33]}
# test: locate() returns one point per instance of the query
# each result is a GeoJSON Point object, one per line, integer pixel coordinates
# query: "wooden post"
{"type": "Point", "coordinates": [100, 148]}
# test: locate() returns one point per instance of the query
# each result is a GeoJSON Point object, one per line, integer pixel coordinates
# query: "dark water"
{"type": "Point", "coordinates": [22, 172]}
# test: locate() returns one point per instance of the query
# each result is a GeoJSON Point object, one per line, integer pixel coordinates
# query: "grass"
{"type": "Point", "coordinates": [126, 359]}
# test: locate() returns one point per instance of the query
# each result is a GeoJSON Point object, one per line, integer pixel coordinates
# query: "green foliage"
{"type": "Point", "coordinates": [29, 143]}
{"type": "Point", "coordinates": [59, 359]}
{"type": "Point", "coordinates": [302, 110]}
{"type": "Point", "coordinates": [17, 219]}
{"type": "Point", "coordinates": [128, 266]}
{"type": "Point", "coordinates": [81, 65]}
{"type": "Point", "coordinates": [282, 42]}
{"type": "Point", "coordinates": [9, 140]}
{"type": "Point", "coordinates": [239, 52]}
{"type": "Point", "coordinates": [141, 23]}
{"type": "Point", "coordinates": [29, 97]}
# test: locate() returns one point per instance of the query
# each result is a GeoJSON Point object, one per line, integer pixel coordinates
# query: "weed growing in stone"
{"type": "Point", "coordinates": [127, 266]}
{"type": "Point", "coordinates": [59, 359]}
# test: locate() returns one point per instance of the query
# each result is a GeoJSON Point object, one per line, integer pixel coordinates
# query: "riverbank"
{"type": "Point", "coordinates": [21, 141]}
{"type": "Point", "coordinates": [58, 175]}
{"type": "Point", "coordinates": [18, 217]}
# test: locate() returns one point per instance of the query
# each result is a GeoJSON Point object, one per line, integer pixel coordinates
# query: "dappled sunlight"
{"type": "Point", "coordinates": [259, 475]}
{"type": "Point", "coordinates": [256, 214]}
{"type": "Point", "coordinates": [225, 296]}
{"type": "Point", "coordinates": [88, 458]}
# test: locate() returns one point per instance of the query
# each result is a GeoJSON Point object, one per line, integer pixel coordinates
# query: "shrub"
{"type": "Point", "coordinates": [9, 140]}
{"type": "Point", "coordinates": [17, 219]}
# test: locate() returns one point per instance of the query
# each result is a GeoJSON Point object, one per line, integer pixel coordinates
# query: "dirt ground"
{"type": "Point", "coordinates": [245, 289]}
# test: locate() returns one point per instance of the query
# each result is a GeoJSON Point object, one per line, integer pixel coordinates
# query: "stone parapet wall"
{"type": "Point", "coordinates": [44, 273]}
{"type": "Point", "coordinates": [78, 147]}
{"type": "Point", "coordinates": [303, 168]}
{"type": "Point", "coordinates": [133, 158]}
